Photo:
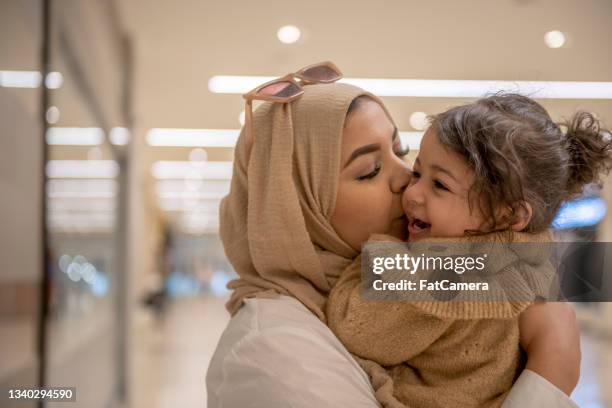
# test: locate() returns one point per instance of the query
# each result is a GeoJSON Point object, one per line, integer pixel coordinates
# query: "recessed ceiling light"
{"type": "Point", "coordinates": [418, 120]}
{"type": "Point", "coordinates": [554, 39]}
{"type": "Point", "coordinates": [288, 34]}
{"type": "Point", "coordinates": [119, 136]}
{"type": "Point", "coordinates": [52, 115]}
{"type": "Point", "coordinates": [198, 155]}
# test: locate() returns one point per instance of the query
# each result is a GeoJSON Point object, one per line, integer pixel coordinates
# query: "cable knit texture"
{"type": "Point", "coordinates": [442, 353]}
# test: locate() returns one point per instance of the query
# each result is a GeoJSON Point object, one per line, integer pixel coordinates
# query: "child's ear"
{"type": "Point", "coordinates": [525, 212]}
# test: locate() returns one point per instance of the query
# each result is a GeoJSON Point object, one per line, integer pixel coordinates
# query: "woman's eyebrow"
{"type": "Point", "coordinates": [361, 151]}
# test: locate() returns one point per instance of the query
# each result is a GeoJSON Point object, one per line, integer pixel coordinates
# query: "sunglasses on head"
{"type": "Point", "coordinates": [287, 88]}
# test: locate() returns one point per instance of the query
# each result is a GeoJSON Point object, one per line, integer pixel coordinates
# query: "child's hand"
{"type": "Point", "coordinates": [550, 336]}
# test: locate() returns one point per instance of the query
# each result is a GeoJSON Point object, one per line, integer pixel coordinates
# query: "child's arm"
{"type": "Point", "coordinates": [386, 332]}
{"type": "Point", "coordinates": [550, 336]}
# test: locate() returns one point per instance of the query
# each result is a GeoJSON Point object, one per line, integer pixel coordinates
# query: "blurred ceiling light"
{"type": "Point", "coordinates": [198, 154]}
{"type": "Point", "coordinates": [192, 195]}
{"type": "Point", "coordinates": [54, 80]}
{"type": "Point", "coordinates": [193, 137]}
{"type": "Point", "coordinates": [59, 188]}
{"type": "Point", "coordinates": [65, 204]}
{"type": "Point", "coordinates": [215, 170]}
{"type": "Point", "coordinates": [443, 88]}
{"type": "Point", "coordinates": [20, 79]}
{"type": "Point", "coordinates": [94, 153]}
{"type": "Point", "coordinates": [208, 207]}
{"type": "Point", "coordinates": [29, 79]}
{"type": "Point", "coordinates": [82, 169]}
{"type": "Point", "coordinates": [554, 39]}
{"type": "Point", "coordinates": [178, 187]}
{"type": "Point", "coordinates": [52, 115]}
{"type": "Point", "coordinates": [78, 136]}
{"type": "Point", "coordinates": [119, 136]}
{"type": "Point", "coordinates": [288, 34]}
{"type": "Point", "coordinates": [418, 120]}
{"type": "Point", "coordinates": [411, 139]}
{"type": "Point", "coordinates": [241, 118]}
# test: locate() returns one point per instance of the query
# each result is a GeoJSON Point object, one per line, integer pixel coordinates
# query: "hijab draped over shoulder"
{"type": "Point", "coordinates": [275, 221]}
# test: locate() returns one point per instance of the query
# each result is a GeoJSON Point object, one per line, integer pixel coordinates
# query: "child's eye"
{"type": "Point", "coordinates": [370, 175]}
{"type": "Point", "coordinates": [440, 186]}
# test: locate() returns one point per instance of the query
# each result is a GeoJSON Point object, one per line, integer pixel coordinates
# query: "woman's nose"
{"type": "Point", "coordinates": [401, 178]}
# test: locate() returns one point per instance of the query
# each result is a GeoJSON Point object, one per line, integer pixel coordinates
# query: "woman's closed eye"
{"type": "Point", "coordinates": [371, 174]}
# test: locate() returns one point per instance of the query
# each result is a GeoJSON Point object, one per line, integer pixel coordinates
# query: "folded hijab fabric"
{"type": "Point", "coordinates": [275, 222]}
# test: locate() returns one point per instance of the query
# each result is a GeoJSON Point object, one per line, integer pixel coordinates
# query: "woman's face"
{"type": "Point", "coordinates": [373, 175]}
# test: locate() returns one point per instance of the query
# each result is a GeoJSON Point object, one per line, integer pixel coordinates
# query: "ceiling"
{"type": "Point", "coordinates": [178, 45]}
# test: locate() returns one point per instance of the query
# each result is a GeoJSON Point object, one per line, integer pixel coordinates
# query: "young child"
{"type": "Point", "coordinates": [497, 169]}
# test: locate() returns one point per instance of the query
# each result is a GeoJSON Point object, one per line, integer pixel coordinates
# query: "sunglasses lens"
{"type": "Point", "coordinates": [321, 73]}
{"type": "Point", "coordinates": [280, 89]}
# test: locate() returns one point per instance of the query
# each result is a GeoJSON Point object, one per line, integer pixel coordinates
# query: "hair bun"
{"type": "Point", "coordinates": [590, 151]}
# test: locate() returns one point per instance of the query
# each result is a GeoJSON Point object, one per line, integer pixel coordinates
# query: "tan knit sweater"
{"type": "Point", "coordinates": [418, 356]}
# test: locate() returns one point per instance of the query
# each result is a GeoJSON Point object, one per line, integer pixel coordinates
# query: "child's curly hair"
{"type": "Point", "coordinates": [519, 154]}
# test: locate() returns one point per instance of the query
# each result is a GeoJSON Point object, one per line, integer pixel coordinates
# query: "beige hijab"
{"type": "Point", "coordinates": [275, 222]}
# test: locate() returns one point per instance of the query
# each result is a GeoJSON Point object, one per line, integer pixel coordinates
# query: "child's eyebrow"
{"type": "Point", "coordinates": [441, 169]}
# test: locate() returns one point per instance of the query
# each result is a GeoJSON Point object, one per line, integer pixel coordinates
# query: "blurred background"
{"type": "Point", "coordinates": [117, 126]}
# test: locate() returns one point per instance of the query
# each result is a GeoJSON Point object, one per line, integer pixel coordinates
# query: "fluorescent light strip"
{"type": "Point", "coordinates": [75, 136]}
{"type": "Point", "coordinates": [209, 207]}
{"type": "Point", "coordinates": [214, 170]}
{"type": "Point", "coordinates": [29, 79]}
{"type": "Point", "coordinates": [70, 204]}
{"type": "Point", "coordinates": [169, 187]}
{"type": "Point", "coordinates": [103, 169]}
{"type": "Point", "coordinates": [193, 137]}
{"type": "Point", "coordinates": [227, 138]}
{"type": "Point", "coordinates": [434, 88]}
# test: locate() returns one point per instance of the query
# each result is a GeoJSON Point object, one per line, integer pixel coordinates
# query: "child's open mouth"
{"type": "Point", "coordinates": [417, 226]}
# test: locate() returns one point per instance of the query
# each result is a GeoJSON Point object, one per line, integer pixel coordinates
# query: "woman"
{"type": "Point", "coordinates": [316, 184]}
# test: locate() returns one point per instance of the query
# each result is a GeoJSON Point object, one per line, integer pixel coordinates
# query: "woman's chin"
{"type": "Point", "coordinates": [399, 230]}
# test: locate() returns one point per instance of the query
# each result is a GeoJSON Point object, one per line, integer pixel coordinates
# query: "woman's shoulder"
{"type": "Point", "coordinates": [276, 348]}
{"type": "Point", "coordinates": [283, 321]}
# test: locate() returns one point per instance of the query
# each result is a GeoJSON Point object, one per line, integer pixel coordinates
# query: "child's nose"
{"type": "Point", "coordinates": [413, 195]}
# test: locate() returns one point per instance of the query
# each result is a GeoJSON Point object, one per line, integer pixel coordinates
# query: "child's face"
{"type": "Point", "coordinates": [436, 200]}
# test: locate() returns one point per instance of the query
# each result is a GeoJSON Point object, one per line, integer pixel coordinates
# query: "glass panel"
{"type": "Point", "coordinates": [20, 186]}
{"type": "Point", "coordinates": [83, 188]}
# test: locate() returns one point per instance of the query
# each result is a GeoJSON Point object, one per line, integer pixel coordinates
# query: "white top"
{"type": "Point", "coordinates": [276, 353]}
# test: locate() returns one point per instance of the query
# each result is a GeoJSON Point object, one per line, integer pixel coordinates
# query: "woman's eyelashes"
{"type": "Point", "coordinates": [400, 153]}
{"type": "Point", "coordinates": [371, 174]}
